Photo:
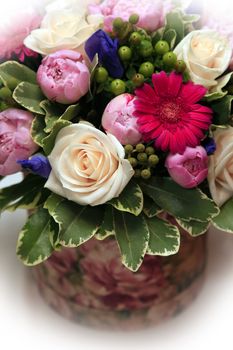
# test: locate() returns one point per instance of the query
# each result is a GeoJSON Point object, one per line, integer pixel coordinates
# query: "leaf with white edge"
{"type": "Point", "coordinates": [190, 18]}
{"type": "Point", "coordinates": [170, 36]}
{"type": "Point", "coordinates": [12, 73]}
{"type": "Point", "coordinates": [150, 208]}
{"type": "Point", "coordinates": [174, 21]}
{"type": "Point", "coordinates": [34, 244]}
{"type": "Point", "coordinates": [217, 92]}
{"type": "Point", "coordinates": [24, 194]}
{"type": "Point", "coordinates": [29, 96]}
{"type": "Point", "coordinates": [77, 223]}
{"type": "Point", "coordinates": [37, 130]}
{"type": "Point", "coordinates": [106, 228]}
{"type": "Point", "coordinates": [224, 221]}
{"type": "Point", "coordinates": [49, 141]}
{"type": "Point", "coordinates": [130, 199]}
{"type": "Point", "coordinates": [56, 112]}
{"type": "Point", "coordinates": [194, 228]}
{"type": "Point", "coordinates": [222, 110]}
{"type": "Point", "coordinates": [164, 237]}
{"type": "Point", "coordinates": [186, 204]}
{"type": "Point", "coordinates": [132, 236]}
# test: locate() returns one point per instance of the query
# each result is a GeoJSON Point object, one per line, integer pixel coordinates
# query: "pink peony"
{"type": "Point", "coordinates": [119, 121]}
{"type": "Point", "coordinates": [152, 13]}
{"type": "Point", "coordinates": [15, 31]}
{"type": "Point", "coordinates": [169, 114]}
{"type": "Point", "coordinates": [64, 77]}
{"type": "Point", "coordinates": [15, 139]}
{"type": "Point", "coordinates": [190, 168]}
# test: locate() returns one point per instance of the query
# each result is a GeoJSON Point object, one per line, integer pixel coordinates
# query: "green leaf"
{"type": "Point", "coordinates": [130, 200]}
{"type": "Point", "coordinates": [222, 110]}
{"type": "Point", "coordinates": [34, 244]}
{"type": "Point", "coordinates": [190, 18]}
{"type": "Point", "coordinates": [150, 208]}
{"type": "Point", "coordinates": [224, 220]}
{"type": "Point", "coordinates": [186, 204]}
{"type": "Point", "coordinates": [174, 21]}
{"type": "Point", "coordinates": [37, 130]}
{"type": "Point", "coordinates": [106, 229]}
{"type": "Point", "coordinates": [194, 228]}
{"type": "Point", "coordinates": [217, 92]}
{"type": "Point", "coordinates": [12, 73]}
{"type": "Point", "coordinates": [25, 194]}
{"type": "Point", "coordinates": [132, 236]}
{"type": "Point", "coordinates": [170, 36]}
{"type": "Point", "coordinates": [77, 223]}
{"type": "Point", "coordinates": [29, 96]}
{"type": "Point", "coordinates": [164, 237]}
{"type": "Point", "coordinates": [55, 112]}
{"type": "Point", "coordinates": [49, 141]}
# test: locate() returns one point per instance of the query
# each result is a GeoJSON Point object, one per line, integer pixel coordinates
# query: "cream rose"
{"type": "Point", "coordinates": [207, 55]}
{"type": "Point", "coordinates": [221, 167]}
{"type": "Point", "coordinates": [64, 26]}
{"type": "Point", "coordinates": [88, 166]}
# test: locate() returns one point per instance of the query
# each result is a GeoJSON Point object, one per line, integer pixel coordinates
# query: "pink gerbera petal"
{"type": "Point", "coordinates": [169, 114]}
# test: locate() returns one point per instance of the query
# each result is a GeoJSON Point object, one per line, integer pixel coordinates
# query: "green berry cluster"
{"type": "Point", "coordinates": [140, 55]}
{"type": "Point", "coordinates": [143, 159]}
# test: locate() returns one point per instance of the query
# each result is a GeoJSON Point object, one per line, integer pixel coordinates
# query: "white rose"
{"type": "Point", "coordinates": [221, 167]}
{"type": "Point", "coordinates": [66, 27]}
{"type": "Point", "coordinates": [88, 166]}
{"type": "Point", "coordinates": [207, 55]}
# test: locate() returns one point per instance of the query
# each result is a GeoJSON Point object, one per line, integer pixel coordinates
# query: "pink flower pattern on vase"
{"type": "Point", "coordinates": [91, 286]}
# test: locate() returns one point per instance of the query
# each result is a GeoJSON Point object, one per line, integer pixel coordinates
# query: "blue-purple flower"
{"type": "Point", "coordinates": [37, 164]}
{"type": "Point", "coordinates": [107, 49]}
{"type": "Point", "coordinates": [210, 145]}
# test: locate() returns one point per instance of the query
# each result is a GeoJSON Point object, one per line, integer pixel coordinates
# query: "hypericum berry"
{"type": "Point", "coordinates": [118, 87]}
{"type": "Point", "coordinates": [145, 174]}
{"type": "Point", "coordinates": [153, 160]}
{"type": "Point", "coordinates": [137, 173]}
{"type": "Point", "coordinates": [140, 148]}
{"type": "Point", "coordinates": [169, 59]}
{"type": "Point", "coordinates": [5, 93]}
{"type": "Point", "coordinates": [118, 24]}
{"type": "Point", "coordinates": [135, 38]}
{"type": "Point", "coordinates": [101, 75]}
{"type": "Point", "coordinates": [128, 149]}
{"type": "Point", "coordinates": [149, 150]}
{"type": "Point", "coordinates": [145, 48]}
{"type": "Point", "coordinates": [142, 157]}
{"type": "Point", "coordinates": [133, 162]}
{"type": "Point", "coordinates": [146, 69]}
{"type": "Point", "coordinates": [138, 80]}
{"type": "Point", "coordinates": [161, 47]}
{"type": "Point", "coordinates": [125, 53]}
{"type": "Point", "coordinates": [180, 66]}
{"type": "Point", "coordinates": [134, 18]}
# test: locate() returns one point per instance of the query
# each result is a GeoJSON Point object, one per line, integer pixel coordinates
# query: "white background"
{"type": "Point", "coordinates": [27, 323]}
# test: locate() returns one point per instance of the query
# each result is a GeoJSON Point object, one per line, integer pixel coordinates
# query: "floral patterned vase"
{"type": "Point", "coordinates": [91, 286]}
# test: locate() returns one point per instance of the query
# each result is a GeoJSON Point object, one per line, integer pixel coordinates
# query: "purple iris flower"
{"type": "Point", "coordinates": [107, 49]}
{"type": "Point", "coordinates": [38, 165]}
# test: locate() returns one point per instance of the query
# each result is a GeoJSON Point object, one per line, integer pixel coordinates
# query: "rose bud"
{"type": "Point", "coordinates": [118, 120]}
{"type": "Point", "coordinates": [190, 168]}
{"type": "Point", "coordinates": [15, 139]}
{"type": "Point", "coordinates": [64, 77]}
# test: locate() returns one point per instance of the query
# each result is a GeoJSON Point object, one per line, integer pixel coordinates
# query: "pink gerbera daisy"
{"type": "Point", "coordinates": [169, 114]}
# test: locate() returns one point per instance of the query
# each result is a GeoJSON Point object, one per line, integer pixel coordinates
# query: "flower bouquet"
{"type": "Point", "coordinates": [119, 117]}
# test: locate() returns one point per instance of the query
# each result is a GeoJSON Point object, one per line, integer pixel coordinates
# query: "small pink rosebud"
{"type": "Point", "coordinates": [64, 76]}
{"type": "Point", "coordinates": [15, 139]}
{"type": "Point", "coordinates": [190, 168]}
{"type": "Point", "coordinates": [118, 120]}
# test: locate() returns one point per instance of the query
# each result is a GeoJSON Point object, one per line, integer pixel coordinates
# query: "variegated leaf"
{"type": "Point", "coordinates": [224, 220]}
{"type": "Point", "coordinates": [34, 243]}
{"type": "Point", "coordinates": [29, 96]}
{"type": "Point", "coordinates": [150, 208]}
{"type": "Point", "coordinates": [12, 73]}
{"type": "Point", "coordinates": [106, 228]}
{"type": "Point", "coordinates": [164, 237]}
{"type": "Point", "coordinates": [194, 228]}
{"type": "Point", "coordinates": [130, 200]}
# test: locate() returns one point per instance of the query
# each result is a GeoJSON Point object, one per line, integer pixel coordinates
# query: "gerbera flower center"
{"type": "Point", "coordinates": [170, 111]}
